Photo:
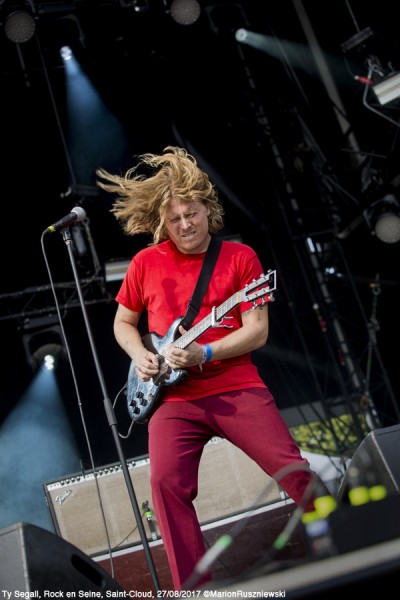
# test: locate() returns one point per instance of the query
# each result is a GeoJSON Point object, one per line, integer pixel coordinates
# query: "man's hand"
{"type": "Point", "coordinates": [146, 365]}
{"type": "Point", "coordinates": [178, 358]}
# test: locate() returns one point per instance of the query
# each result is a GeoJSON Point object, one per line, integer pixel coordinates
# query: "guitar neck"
{"type": "Point", "coordinates": [205, 324]}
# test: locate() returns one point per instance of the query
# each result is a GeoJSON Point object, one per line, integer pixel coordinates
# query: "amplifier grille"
{"type": "Point", "coordinates": [229, 483]}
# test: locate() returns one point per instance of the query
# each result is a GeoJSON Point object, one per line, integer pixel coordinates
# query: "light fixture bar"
{"type": "Point", "coordinates": [388, 90]}
{"type": "Point", "coordinates": [115, 270]}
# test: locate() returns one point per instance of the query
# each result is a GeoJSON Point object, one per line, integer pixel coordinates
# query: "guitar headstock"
{"type": "Point", "coordinates": [266, 291]}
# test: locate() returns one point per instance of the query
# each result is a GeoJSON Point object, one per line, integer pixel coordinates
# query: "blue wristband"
{"type": "Point", "coordinates": [207, 353]}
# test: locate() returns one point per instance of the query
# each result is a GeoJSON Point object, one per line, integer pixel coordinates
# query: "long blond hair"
{"type": "Point", "coordinates": [141, 201]}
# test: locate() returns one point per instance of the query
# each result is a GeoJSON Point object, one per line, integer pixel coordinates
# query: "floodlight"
{"type": "Point", "coordinates": [185, 12]}
{"type": "Point", "coordinates": [19, 27]}
{"type": "Point", "coordinates": [383, 217]}
{"type": "Point", "coordinates": [388, 89]}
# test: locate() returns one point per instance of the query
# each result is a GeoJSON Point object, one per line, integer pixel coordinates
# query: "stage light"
{"type": "Point", "coordinates": [139, 6]}
{"type": "Point", "coordinates": [20, 27]}
{"type": "Point", "coordinates": [241, 35]}
{"type": "Point", "coordinates": [383, 217]}
{"type": "Point", "coordinates": [44, 346]}
{"type": "Point", "coordinates": [185, 12]}
{"type": "Point", "coordinates": [65, 52]}
{"type": "Point", "coordinates": [357, 41]}
{"type": "Point", "coordinates": [48, 356]}
{"type": "Point", "coordinates": [387, 228]}
{"type": "Point", "coordinates": [388, 89]}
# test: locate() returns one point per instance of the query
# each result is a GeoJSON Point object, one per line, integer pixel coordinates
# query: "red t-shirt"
{"type": "Point", "coordinates": [161, 281]}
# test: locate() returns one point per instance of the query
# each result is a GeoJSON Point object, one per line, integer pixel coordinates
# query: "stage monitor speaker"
{"type": "Point", "coordinates": [377, 457]}
{"type": "Point", "coordinates": [85, 509]}
{"type": "Point", "coordinates": [345, 576]}
{"type": "Point", "coordinates": [36, 560]}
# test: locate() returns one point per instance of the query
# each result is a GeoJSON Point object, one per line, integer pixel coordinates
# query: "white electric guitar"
{"type": "Point", "coordinates": [143, 396]}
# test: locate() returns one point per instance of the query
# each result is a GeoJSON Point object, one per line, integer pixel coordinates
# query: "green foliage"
{"type": "Point", "coordinates": [333, 437]}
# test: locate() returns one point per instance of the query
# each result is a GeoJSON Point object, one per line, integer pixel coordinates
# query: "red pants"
{"type": "Point", "coordinates": [178, 432]}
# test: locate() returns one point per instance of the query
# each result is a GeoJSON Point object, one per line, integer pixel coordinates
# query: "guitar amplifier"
{"type": "Point", "coordinates": [87, 510]}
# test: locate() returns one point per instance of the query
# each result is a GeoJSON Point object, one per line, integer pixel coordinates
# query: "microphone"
{"type": "Point", "coordinates": [76, 214]}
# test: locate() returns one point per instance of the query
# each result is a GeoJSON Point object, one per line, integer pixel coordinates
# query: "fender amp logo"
{"type": "Point", "coordinates": [61, 499]}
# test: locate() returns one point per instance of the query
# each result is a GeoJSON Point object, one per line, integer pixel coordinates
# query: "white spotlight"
{"type": "Point", "coordinates": [48, 355]}
{"type": "Point", "coordinates": [387, 228]}
{"type": "Point", "coordinates": [19, 27]}
{"type": "Point", "coordinates": [66, 53]}
{"type": "Point", "coordinates": [49, 362]}
{"type": "Point", "coordinates": [241, 35]}
{"type": "Point", "coordinates": [185, 12]}
{"type": "Point", "coordinates": [383, 217]}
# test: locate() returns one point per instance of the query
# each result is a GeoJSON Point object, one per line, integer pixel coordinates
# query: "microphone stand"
{"type": "Point", "coordinates": [111, 416]}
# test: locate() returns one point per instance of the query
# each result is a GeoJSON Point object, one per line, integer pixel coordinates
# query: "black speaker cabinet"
{"type": "Point", "coordinates": [87, 508]}
{"type": "Point", "coordinates": [345, 576]}
{"type": "Point", "coordinates": [377, 461]}
{"type": "Point", "coordinates": [36, 560]}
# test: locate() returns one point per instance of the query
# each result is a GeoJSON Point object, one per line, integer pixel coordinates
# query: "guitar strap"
{"type": "Point", "coordinates": [205, 275]}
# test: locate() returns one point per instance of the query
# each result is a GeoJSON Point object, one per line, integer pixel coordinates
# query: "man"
{"type": "Point", "coordinates": [222, 394]}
